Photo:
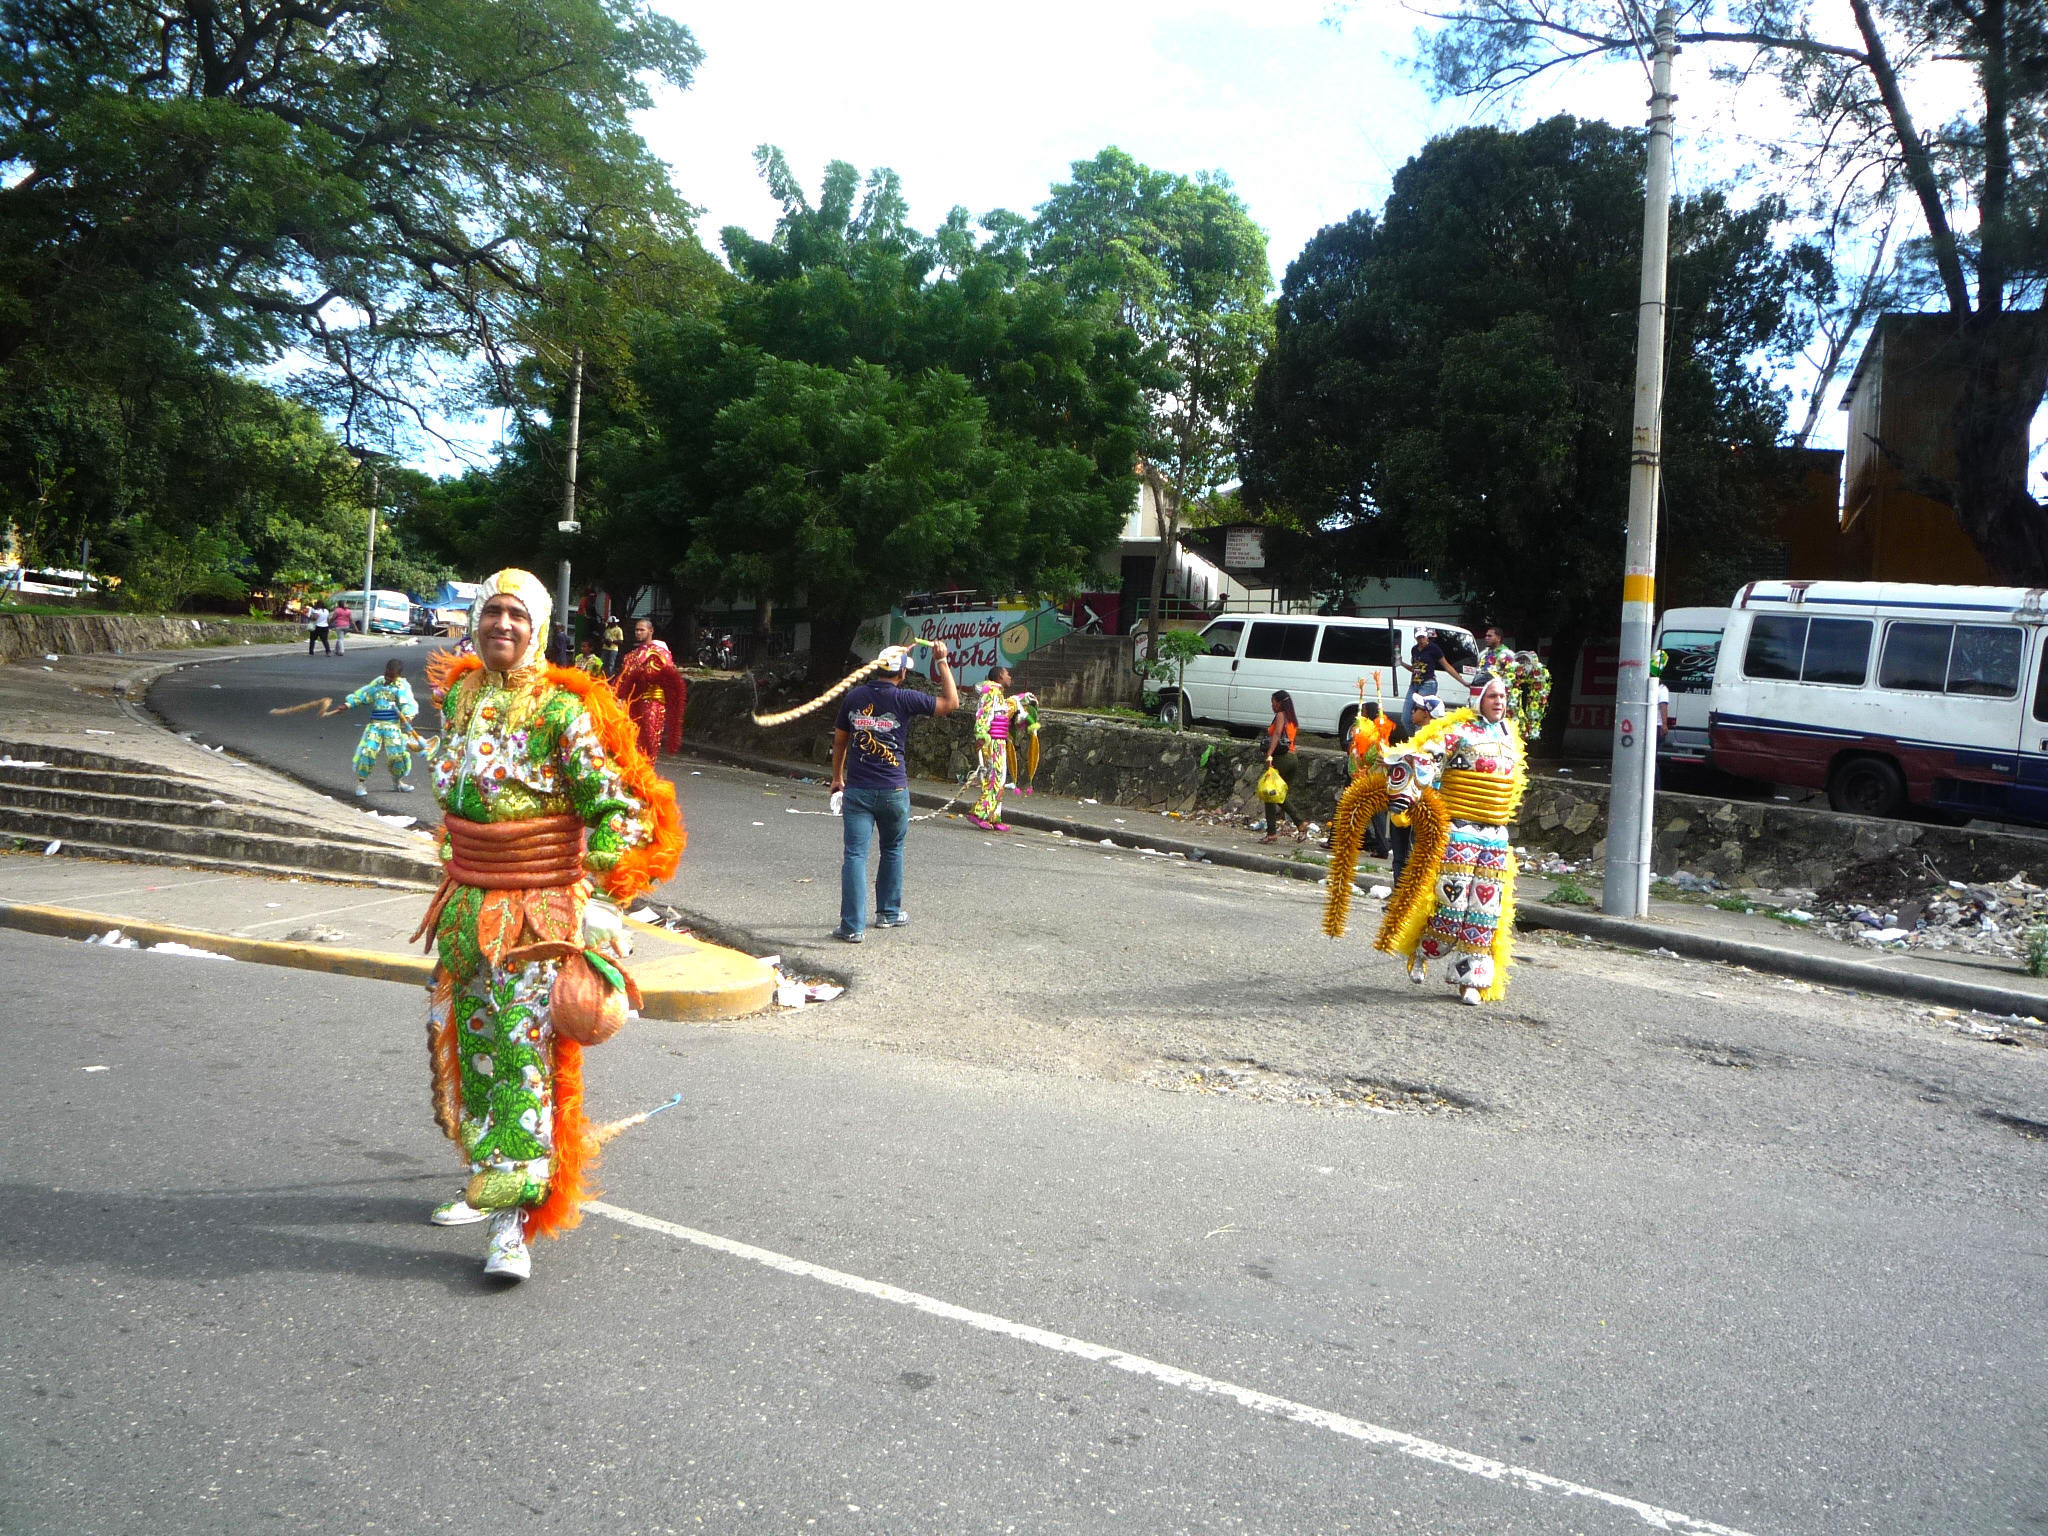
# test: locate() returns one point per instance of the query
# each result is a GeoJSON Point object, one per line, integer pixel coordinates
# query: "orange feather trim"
{"type": "Point", "coordinates": [576, 1150]}
{"type": "Point", "coordinates": [446, 1056]}
{"type": "Point", "coordinates": [654, 861]}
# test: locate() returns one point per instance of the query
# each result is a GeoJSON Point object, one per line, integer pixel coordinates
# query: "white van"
{"type": "Point", "coordinates": [1888, 693]}
{"type": "Point", "coordinates": [1319, 661]}
{"type": "Point", "coordinates": [1690, 639]}
{"type": "Point", "coordinates": [392, 615]}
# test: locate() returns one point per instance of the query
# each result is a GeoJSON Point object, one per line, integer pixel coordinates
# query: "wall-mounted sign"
{"type": "Point", "coordinates": [1244, 549]}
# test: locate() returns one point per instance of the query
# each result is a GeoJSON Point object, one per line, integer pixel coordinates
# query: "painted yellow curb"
{"type": "Point", "coordinates": [703, 981]}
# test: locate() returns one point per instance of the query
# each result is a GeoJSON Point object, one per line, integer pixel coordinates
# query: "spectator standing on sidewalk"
{"type": "Point", "coordinates": [614, 642]}
{"type": "Point", "coordinates": [871, 766]}
{"type": "Point", "coordinates": [316, 629]}
{"type": "Point", "coordinates": [341, 621]}
{"type": "Point", "coordinates": [1280, 754]}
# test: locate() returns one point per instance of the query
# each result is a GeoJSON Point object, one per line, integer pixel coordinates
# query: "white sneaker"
{"type": "Point", "coordinates": [362, 789]}
{"type": "Point", "coordinates": [1470, 997]}
{"type": "Point", "coordinates": [405, 788]}
{"type": "Point", "coordinates": [508, 1256]}
{"type": "Point", "coordinates": [456, 1213]}
{"type": "Point", "coordinates": [1418, 974]}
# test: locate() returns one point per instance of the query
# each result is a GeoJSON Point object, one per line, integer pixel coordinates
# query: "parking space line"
{"type": "Point", "coordinates": [1173, 1376]}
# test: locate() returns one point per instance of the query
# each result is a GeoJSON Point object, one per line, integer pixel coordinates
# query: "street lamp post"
{"type": "Point", "coordinates": [568, 524]}
{"type": "Point", "coordinates": [370, 551]}
{"type": "Point", "coordinates": [1632, 796]}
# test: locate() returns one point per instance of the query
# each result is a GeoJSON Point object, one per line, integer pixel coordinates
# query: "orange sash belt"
{"type": "Point", "coordinates": [538, 853]}
{"type": "Point", "coordinates": [515, 855]}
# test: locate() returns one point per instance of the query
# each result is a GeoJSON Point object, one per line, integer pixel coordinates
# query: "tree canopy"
{"type": "Point", "coordinates": [1186, 268]}
{"type": "Point", "coordinates": [1451, 382]}
{"type": "Point", "coordinates": [866, 410]}
{"type": "Point", "coordinates": [1873, 80]}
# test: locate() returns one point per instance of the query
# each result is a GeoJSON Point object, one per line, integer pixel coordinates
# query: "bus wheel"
{"type": "Point", "coordinates": [1867, 786]}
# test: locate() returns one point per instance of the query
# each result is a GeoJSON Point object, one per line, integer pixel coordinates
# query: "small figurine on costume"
{"type": "Point", "coordinates": [389, 734]}
{"type": "Point", "coordinates": [653, 692]}
{"type": "Point", "coordinates": [552, 821]}
{"type": "Point", "coordinates": [1024, 728]}
{"type": "Point", "coordinates": [992, 739]}
{"type": "Point", "coordinates": [1458, 783]}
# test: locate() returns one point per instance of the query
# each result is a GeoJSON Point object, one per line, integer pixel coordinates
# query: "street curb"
{"type": "Point", "coordinates": [1859, 975]}
{"type": "Point", "coordinates": [737, 984]}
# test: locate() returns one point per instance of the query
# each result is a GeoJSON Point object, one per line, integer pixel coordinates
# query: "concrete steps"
{"type": "Point", "coordinates": [108, 807]}
{"type": "Point", "coordinates": [1079, 671]}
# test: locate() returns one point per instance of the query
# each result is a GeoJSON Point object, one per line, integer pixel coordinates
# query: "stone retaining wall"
{"type": "Point", "coordinates": [1762, 843]}
{"type": "Point", "coordinates": [1745, 843]}
{"type": "Point", "coordinates": [24, 636]}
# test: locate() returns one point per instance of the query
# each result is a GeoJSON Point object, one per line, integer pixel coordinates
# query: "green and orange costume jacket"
{"type": "Point", "coordinates": [546, 799]}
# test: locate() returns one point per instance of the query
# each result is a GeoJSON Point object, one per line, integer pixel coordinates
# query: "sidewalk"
{"type": "Point", "coordinates": [93, 704]}
{"type": "Point", "coordinates": [319, 926]}
{"type": "Point", "coordinates": [1693, 929]}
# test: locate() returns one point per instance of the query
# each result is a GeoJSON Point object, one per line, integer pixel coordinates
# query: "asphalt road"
{"type": "Point", "coordinates": [1763, 1255]}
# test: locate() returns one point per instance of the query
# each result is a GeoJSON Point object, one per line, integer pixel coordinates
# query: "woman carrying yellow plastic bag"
{"type": "Point", "coordinates": [1280, 761]}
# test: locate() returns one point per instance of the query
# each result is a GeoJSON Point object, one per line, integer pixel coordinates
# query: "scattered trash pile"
{"type": "Point", "coordinates": [114, 938]}
{"type": "Point", "coordinates": [1902, 899]}
{"type": "Point", "coordinates": [790, 991]}
{"type": "Point", "coordinates": [1547, 863]}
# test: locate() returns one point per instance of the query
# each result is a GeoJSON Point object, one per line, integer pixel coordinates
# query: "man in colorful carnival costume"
{"type": "Point", "coordinates": [1527, 678]}
{"type": "Point", "coordinates": [1459, 782]}
{"type": "Point", "coordinates": [553, 819]}
{"type": "Point", "coordinates": [653, 692]}
{"type": "Point", "coordinates": [389, 734]}
{"type": "Point", "coordinates": [992, 741]}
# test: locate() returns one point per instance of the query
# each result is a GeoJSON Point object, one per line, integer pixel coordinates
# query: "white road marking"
{"type": "Point", "coordinates": [354, 906]}
{"type": "Point", "coordinates": [1189, 1381]}
{"type": "Point", "coordinates": [136, 890]}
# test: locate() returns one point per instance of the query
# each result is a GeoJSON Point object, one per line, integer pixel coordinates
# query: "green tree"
{"type": "Point", "coordinates": [385, 187]}
{"type": "Point", "coordinates": [1452, 382]}
{"type": "Point", "coordinates": [1187, 269]}
{"type": "Point", "coordinates": [1873, 80]}
{"type": "Point", "coordinates": [872, 412]}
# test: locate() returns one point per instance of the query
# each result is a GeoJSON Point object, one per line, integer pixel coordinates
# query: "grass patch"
{"type": "Point", "coordinates": [2035, 946]}
{"type": "Point", "coordinates": [1566, 888]}
{"type": "Point", "coordinates": [1733, 904]}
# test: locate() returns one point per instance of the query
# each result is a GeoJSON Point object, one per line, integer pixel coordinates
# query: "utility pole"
{"type": "Point", "coordinates": [1632, 794]}
{"type": "Point", "coordinates": [568, 524]}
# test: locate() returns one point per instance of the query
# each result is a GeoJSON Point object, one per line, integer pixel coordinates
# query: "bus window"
{"type": "Point", "coordinates": [1776, 644]}
{"type": "Point", "coordinates": [1985, 661]}
{"type": "Point", "coordinates": [1916, 657]}
{"type": "Point", "coordinates": [1837, 651]}
{"type": "Point", "coordinates": [1352, 645]}
{"type": "Point", "coordinates": [1222, 637]}
{"type": "Point", "coordinates": [1281, 642]}
{"type": "Point", "coordinates": [1689, 656]}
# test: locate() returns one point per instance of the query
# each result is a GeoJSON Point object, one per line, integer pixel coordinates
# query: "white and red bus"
{"type": "Point", "coordinates": [1887, 694]}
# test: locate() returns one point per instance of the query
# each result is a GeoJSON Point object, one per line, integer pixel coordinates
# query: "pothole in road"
{"type": "Point", "coordinates": [1265, 1084]}
{"type": "Point", "coordinates": [1715, 1053]}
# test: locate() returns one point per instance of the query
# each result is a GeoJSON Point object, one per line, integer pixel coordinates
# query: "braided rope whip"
{"type": "Point", "coordinates": [859, 674]}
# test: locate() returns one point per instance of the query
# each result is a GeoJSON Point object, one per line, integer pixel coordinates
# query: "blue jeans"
{"type": "Point", "coordinates": [868, 812]}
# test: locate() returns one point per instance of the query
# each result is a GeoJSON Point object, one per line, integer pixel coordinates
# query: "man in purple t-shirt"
{"type": "Point", "coordinates": [870, 762]}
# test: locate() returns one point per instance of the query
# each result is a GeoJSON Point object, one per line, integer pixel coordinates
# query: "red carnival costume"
{"type": "Point", "coordinates": [654, 694]}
